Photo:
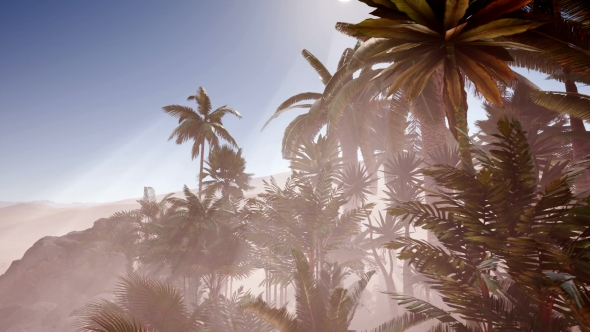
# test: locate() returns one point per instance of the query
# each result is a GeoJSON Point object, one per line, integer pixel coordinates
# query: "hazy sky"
{"type": "Point", "coordinates": [82, 84]}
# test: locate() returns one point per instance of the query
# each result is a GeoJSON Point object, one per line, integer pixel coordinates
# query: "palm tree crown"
{"type": "Point", "coordinates": [456, 36]}
{"type": "Point", "coordinates": [202, 126]}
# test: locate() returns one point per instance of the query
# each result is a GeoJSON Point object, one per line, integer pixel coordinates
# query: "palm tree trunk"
{"type": "Point", "coordinates": [457, 107]}
{"type": "Point", "coordinates": [407, 271]}
{"type": "Point", "coordinates": [201, 168]}
{"type": "Point", "coordinates": [431, 117]}
{"type": "Point", "coordinates": [387, 276]}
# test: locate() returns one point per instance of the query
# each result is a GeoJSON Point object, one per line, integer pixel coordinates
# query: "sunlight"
{"type": "Point", "coordinates": [424, 179]}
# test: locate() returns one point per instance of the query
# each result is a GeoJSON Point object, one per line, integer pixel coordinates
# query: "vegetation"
{"type": "Point", "coordinates": [488, 232]}
{"type": "Point", "coordinates": [203, 126]}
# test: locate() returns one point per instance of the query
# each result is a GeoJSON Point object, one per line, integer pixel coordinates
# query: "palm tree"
{"type": "Point", "coordinates": [226, 169]}
{"type": "Point", "coordinates": [320, 306]}
{"type": "Point", "coordinates": [226, 314]}
{"type": "Point", "coordinates": [547, 131]}
{"type": "Point", "coordinates": [564, 45]}
{"type": "Point", "coordinates": [203, 126]}
{"type": "Point", "coordinates": [323, 305]}
{"type": "Point", "coordinates": [199, 239]}
{"type": "Point", "coordinates": [455, 36]}
{"type": "Point", "coordinates": [125, 231]}
{"type": "Point", "coordinates": [306, 214]}
{"type": "Point", "coordinates": [307, 125]}
{"type": "Point", "coordinates": [513, 251]}
{"type": "Point", "coordinates": [141, 305]}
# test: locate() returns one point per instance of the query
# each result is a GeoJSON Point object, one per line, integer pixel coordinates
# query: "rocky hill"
{"type": "Point", "coordinates": [55, 276]}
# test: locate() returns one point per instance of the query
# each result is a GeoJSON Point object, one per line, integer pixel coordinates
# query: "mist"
{"type": "Point", "coordinates": [319, 165]}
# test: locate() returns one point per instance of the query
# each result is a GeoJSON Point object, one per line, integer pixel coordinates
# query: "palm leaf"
{"type": "Point", "coordinates": [576, 10]}
{"type": "Point", "coordinates": [309, 308]}
{"type": "Point", "coordinates": [497, 66]}
{"type": "Point", "coordinates": [401, 323]}
{"type": "Point", "coordinates": [418, 306]}
{"type": "Point", "coordinates": [495, 9]}
{"type": "Point", "coordinates": [180, 112]}
{"type": "Point", "coordinates": [203, 101]}
{"type": "Point", "coordinates": [222, 111]}
{"type": "Point", "coordinates": [344, 96]}
{"type": "Point", "coordinates": [279, 318]}
{"type": "Point", "coordinates": [374, 46]}
{"type": "Point", "coordinates": [574, 104]}
{"type": "Point", "coordinates": [498, 28]}
{"type": "Point", "coordinates": [573, 58]}
{"type": "Point", "coordinates": [114, 322]}
{"type": "Point", "coordinates": [286, 105]}
{"type": "Point", "coordinates": [417, 10]}
{"type": "Point", "coordinates": [481, 78]}
{"type": "Point", "coordinates": [325, 75]}
{"type": "Point", "coordinates": [222, 132]}
{"type": "Point", "coordinates": [454, 12]}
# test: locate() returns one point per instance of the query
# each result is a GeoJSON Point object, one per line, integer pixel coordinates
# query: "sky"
{"type": "Point", "coordinates": [83, 83]}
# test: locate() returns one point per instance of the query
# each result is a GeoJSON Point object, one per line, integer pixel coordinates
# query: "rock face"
{"type": "Point", "coordinates": [54, 277]}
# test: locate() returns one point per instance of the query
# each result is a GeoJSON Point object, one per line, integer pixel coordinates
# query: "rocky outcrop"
{"type": "Point", "coordinates": [55, 276]}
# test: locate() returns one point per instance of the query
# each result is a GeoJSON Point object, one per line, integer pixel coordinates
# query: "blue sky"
{"type": "Point", "coordinates": [82, 84]}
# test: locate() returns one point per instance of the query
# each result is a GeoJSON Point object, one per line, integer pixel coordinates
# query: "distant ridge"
{"type": "Point", "coordinates": [49, 203]}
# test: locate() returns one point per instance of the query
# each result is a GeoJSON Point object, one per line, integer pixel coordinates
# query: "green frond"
{"type": "Point", "coordinates": [574, 104]}
{"type": "Point", "coordinates": [202, 99]}
{"type": "Point", "coordinates": [288, 104]}
{"type": "Point", "coordinates": [114, 322]}
{"type": "Point", "coordinates": [219, 113]}
{"type": "Point", "coordinates": [180, 112]}
{"type": "Point", "coordinates": [373, 47]}
{"type": "Point", "coordinates": [325, 75]}
{"type": "Point", "coordinates": [573, 58]}
{"type": "Point", "coordinates": [494, 9]}
{"type": "Point", "coordinates": [401, 323]}
{"type": "Point", "coordinates": [303, 127]}
{"type": "Point", "coordinates": [417, 10]}
{"type": "Point", "coordinates": [279, 318]}
{"type": "Point", "coordinates": [152, 302]}
{"type": "Point", "coordinates": [344, 97]}
{"type": "Point", "coordinates": [310, 310]}
{"type": "Point", "coordinates": [420, 307]}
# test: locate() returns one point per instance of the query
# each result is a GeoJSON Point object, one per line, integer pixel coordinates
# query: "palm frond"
{"type": "Point", "coordinates": [574, 104]}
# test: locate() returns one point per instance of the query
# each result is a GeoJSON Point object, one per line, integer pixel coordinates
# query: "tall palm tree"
{"type": "Point", "coordinates": [455, 36]}
{"type": "Point", "coordinates": [203, 126]}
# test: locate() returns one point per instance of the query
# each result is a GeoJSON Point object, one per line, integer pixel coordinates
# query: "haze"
{"type": "Point", "coordinates": [423, 168]}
